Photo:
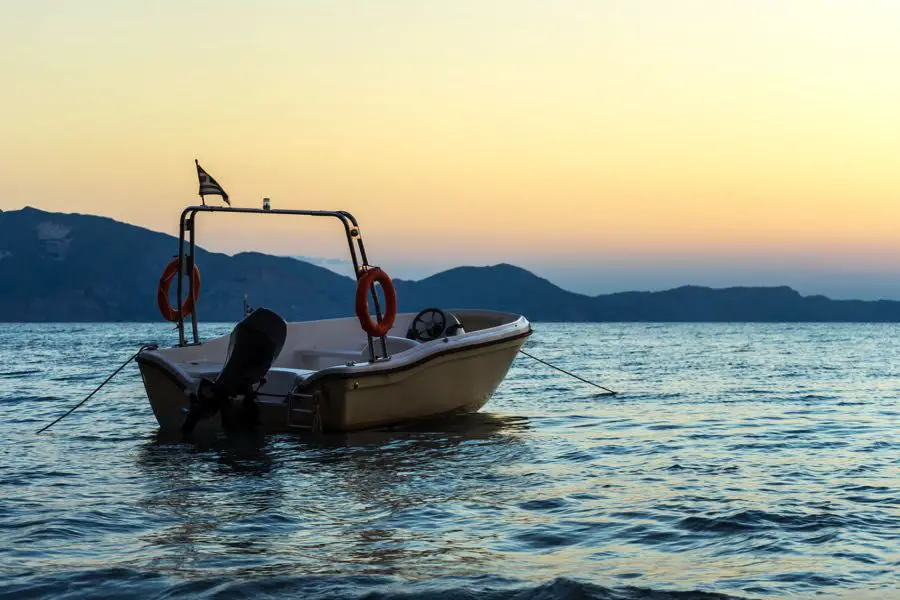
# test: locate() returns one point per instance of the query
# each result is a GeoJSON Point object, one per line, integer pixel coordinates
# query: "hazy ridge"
{"type": "Point", "coordinates": [72, 267]}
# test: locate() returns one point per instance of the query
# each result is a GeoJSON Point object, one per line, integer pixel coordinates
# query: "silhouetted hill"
{"type": "Point", "coordinates": [71, 267]}
{"type": "Point", "coordinates": [500, 287]}
{"type": "Point", "coordinates": [62, 267]}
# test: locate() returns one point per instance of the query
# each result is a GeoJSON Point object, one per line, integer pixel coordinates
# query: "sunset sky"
{"type": "Point", "coordinates": [605, 145]}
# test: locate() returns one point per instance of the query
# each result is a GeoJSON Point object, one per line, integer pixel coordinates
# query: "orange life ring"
{"type": "Point", "coordinates": [162, 293]}
{"type": "Point", "coordinates": [362, 302]}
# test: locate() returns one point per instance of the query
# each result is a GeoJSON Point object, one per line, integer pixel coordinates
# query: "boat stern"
{"type": "Point", "coordinates": [168, 391]}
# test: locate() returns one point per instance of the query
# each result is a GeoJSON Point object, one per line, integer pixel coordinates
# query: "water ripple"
{"type": "Point", "coordinates": [751, 461]}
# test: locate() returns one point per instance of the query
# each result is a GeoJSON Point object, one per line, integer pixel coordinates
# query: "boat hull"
{"type": "Point", "coordinates": [457, 382]}
{"type": "Point", "coordinates": [445, 381]}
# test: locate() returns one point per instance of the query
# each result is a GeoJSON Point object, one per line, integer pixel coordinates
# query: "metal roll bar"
{"type": "Point", "coordinates": [187, 225]}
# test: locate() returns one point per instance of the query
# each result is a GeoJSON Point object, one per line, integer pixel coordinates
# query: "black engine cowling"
{"type": "Point", "coordinates": [254, 344]}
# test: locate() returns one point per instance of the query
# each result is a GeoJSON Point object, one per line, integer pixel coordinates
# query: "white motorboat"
{"type": "Point", "coordinates": [326, 375]}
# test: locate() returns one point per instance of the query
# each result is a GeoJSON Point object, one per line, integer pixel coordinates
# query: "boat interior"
{"type": "Point", "coordinates": [311, 346]}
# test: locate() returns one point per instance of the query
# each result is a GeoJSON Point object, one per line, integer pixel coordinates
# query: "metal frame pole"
{"type": "Point", "coordinates": [190, 269]}
{"type": "Point", "coordinates": [180, 323]}
{"type": "Point", "coordinates": [351, 230]}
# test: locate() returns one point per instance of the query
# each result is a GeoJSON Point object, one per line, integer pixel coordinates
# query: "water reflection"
{"type": "Point", "coordinates": [372, 501]}
{"type": "Point", "coordinates": [206, 498]}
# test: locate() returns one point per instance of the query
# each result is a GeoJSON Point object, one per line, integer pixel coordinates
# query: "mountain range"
{"type": "Point", "coordinates": [64, 267]}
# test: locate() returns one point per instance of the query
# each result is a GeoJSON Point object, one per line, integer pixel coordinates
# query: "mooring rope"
{"type": "Point", "coordinates": [97, 389]}
{"type": "Point", "coordinates": [608, 391]}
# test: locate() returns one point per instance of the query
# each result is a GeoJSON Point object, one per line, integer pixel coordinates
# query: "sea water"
{"type": "Point", "coordinates": [748, 460]}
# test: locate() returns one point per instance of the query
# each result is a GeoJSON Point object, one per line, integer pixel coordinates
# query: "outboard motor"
{"type": "Point", "coordinates": [255, 343]}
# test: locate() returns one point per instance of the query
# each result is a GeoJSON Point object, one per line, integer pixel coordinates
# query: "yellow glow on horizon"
{"type": "Point", "coordinates": [496, 129]}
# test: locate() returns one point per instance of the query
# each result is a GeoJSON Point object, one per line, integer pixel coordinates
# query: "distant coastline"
{"type": "Point", "coordinates": [50, 271]}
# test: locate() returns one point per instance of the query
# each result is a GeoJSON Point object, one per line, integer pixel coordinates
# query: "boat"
{"type": "Point", "coordinates": [330, 375]}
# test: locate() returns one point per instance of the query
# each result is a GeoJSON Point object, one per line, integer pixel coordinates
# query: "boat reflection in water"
{"type": "Point", "coordinates": [376, 501]}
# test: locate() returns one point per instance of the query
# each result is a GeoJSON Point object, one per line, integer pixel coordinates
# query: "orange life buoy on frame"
{"type": "Point", "coordinates": [362, 302]}
{"type": "Point", "coordinates": [162, 293]}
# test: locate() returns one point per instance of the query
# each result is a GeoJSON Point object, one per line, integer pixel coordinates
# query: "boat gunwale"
{"type": "Point", "coordinates": [366, 370]}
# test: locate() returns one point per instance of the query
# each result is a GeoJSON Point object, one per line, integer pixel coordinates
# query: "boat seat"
{"type": "Point", "coordinates": [395, 345]}
{"type": "Point", "coordinates": [310, 357]}
{"type": "Point", "coordinates": [281, 380]}
{"type": "Point", "coordinates": [286, 374]}
{"type": "Point", "coordinates": [326, 352]}
{"type": "Point", "coordinates": [278, 380]}
{"type": "Point", "coordinates": [205, 370]}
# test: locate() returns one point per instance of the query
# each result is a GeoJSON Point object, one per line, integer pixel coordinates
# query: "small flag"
{"type": "Point", "coordinates": [209, 186]}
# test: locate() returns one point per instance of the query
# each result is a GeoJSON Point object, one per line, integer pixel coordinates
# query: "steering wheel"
{"type": "Point", "coordinates": [428, 325]}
